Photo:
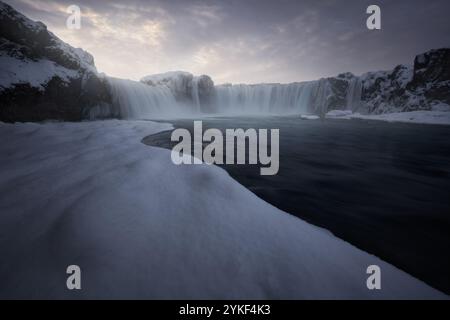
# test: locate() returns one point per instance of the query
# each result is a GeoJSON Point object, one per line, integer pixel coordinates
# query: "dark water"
{"type": "Point", "coordinates": [383, 187]}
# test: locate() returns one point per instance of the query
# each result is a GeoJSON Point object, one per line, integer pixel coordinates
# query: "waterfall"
{"type": "Point", "coordinates": [136, 100]}
{"type": "Point", "coordinates": [322, 97]}
{"type": "Point", "coordinates": [182, 95]}
{"type": "Point", "coordinates": [294, 98]}
{"type": "Point", "coordinates": [263, 98]}
{"type": "Point", "coordinates": [354, 94]}
{"type": "Point", "coordinates": [194, 94]}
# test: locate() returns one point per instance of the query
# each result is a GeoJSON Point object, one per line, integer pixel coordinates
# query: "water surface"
{"type": "Point", "coordinates": [383, 187]}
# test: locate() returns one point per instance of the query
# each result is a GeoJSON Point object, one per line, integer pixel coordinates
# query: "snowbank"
{"type": "Point", "coordinates": [423, 117]}
{"type": "Point", "coordinates": [92, 194]}
{"type": "Point", "coordinates": [309, 117]}
{"type": "Point", "coordinates": [338, 113]}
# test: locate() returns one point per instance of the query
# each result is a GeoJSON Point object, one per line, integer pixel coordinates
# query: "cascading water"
{"type": "Point", "coordinates": [181, 96]}
{"type": "Point", "coordinates": [354, 94]}
{"type": "Point", "coordinates": [195, 95]}
{"type": "Point", "coordinates": [320, 95]}
{"type": "Point", "coordinates": [294, 98]}
{"type": "Point", "coordinates": [136, 100]}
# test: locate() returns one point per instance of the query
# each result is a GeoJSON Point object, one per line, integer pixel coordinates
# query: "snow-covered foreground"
{"type": "Point", "coordinates": [424, 117]}
{"type": "Point", "coordinates": [93, 195]}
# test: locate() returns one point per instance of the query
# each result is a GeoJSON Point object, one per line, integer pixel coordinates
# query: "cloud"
{"type": "Point", "coordinates": [247, 40]}
{"type": "Point", "coordinates": [205, 15]}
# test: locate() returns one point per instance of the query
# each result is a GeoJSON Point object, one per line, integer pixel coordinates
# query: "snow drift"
{"type": "Point", "coordinates": [92, 194]}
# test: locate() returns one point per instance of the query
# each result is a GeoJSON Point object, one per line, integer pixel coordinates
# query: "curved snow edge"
{"type": "Point", "coordinates": [138, 226]}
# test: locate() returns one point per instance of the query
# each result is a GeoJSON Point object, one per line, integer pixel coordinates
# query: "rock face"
{"type": "Point", "coordinates": [432, 75]}
{"type": "Point", "coordinates": [43, 77]}
{"type": "Point", "coordinates": [425, 86]}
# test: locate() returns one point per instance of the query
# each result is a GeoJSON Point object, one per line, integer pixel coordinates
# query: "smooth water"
{"type": "Point", "coordinates": [383, 187]}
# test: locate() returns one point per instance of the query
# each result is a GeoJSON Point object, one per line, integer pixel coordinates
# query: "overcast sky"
{"type": "Point", "coordinates": [246, 41]}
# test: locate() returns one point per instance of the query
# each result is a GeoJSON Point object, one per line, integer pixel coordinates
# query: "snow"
{"type": "Point", "coordinates": [93, 195]}
{"type": "Point", "coordinates": [166, 76]}
{"type": "Point", "coordinates": [405, 76]}
{"type": "Point", "coordinates": [420, 117]}
{"type": "Point", "coordinates": [370, 78]}
{"type": "Point", "coordinates": [83, 58]}
{"type": "Point", "coordinates": [440, 106]}
{"type": "Point", "coordinates": [384, 78]}
{"type": "Point", "coordinates": [338, 113]}
{"type": "Point", "coordinates": [36, 73]}
{"type": "Point", "coordinates": [309, 117]}
{"type": "Point", "coordinates": [179, 82]}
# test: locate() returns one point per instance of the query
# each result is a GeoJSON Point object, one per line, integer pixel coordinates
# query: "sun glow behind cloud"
{"type": "Point", "coordinates": [123, 44]}
{"type": "Point", "coordinates": [247, 41]}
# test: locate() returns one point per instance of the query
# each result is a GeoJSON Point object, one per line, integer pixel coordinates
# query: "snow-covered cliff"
{"type": "Point", "coordinates": [43, 77]}
{"type": "Point", "coordinates": [423, 86]}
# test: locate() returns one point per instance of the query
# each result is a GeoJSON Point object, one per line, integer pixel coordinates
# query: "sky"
{"type": "Point", "coordinates": [246, 41]}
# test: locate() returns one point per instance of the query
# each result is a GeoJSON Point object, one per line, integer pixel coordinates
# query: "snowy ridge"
{"type": "Point", "coordinates": [176, 79]}
{"type": "Point", "coordinates": [23, 60]}
{"type": "Point", "coordinates": [43, 77]}
{"type": "Point", "coordinates": [77, 55]}
{"type": "Point", "coordinates": [82, 58]}
{"type": "Point", "coordinates": [138, 229]}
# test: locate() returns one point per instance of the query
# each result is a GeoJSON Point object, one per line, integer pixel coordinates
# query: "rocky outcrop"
{"type": "Point", "coordinates": [186, 88]}
{"type": "Point", "coordinates": [424, 86]}
{"type": "Point", "coordinates": [432, 75]}
{"type": "Point", "coordinates": [43, 77]}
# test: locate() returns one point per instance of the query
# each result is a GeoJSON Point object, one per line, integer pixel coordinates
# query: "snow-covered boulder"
{"type": "Point", "coordinates": [186, 88]}
{"type": "Point", "coordinates": [43, 77]}
{"type": "Point", "coordinates": [180, 82]}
